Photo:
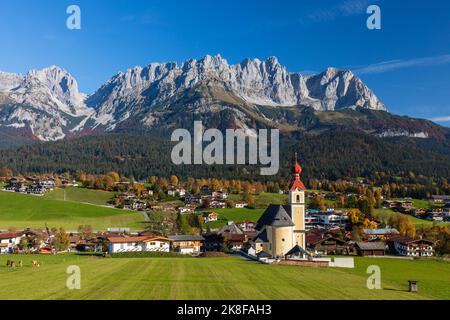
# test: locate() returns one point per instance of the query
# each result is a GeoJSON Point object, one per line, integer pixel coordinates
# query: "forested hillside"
{"type": "Point", "coordinates": [332, 155]}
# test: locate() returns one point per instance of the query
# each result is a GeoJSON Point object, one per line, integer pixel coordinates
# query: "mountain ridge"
{"type": "Point", "coordinates": [47, 106]}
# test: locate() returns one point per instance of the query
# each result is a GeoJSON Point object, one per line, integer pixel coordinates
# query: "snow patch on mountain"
{"type": "Point", "coordinates": [392, 133]}
{"type": "Point", "coordinates": [49, 103]}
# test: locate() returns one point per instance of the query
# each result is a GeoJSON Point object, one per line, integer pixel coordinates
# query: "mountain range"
{"type": "Point", "coordinates": [46, 104]}
{"type": "Point", "coordinates": [327, 110]}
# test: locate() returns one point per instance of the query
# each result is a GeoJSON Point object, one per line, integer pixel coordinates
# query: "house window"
{"type": "Point", "coordinates": [298, 198]}
{"type": "Point", "coordinates": [152, 243]}
{"type": "Point", "coordinates": [282, 239]}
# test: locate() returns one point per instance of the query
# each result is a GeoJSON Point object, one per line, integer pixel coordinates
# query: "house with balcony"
{"type": "Point", "coordinates": [9, 242]}
{"type": "Point", "coordinates": [409, 247]}
{"type": "Point", "coordinates": [138, 244]}
{"type": "Point", "coordinates": [186, 244]}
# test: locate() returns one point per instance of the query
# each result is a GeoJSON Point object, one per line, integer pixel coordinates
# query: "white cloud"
{"type": "Point", "coordinates": [344, 9]}
{"type": "Point", "coordinates": [391, 65]}
{"type": "Point", "coordinates": [441, 119]}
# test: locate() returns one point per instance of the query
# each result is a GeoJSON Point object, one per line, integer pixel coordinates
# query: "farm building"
{"type": "Point", "coordinates": [370, 248]}
{"type": "Point", "coordinates": [138, 244]}
{"type": "Point", "coordinates": [186, 244]}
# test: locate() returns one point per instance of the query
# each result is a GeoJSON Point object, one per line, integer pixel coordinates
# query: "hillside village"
{"type": "Point", "coordinates": [190, 219]}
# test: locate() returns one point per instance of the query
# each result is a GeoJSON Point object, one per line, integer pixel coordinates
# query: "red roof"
{"type": "Point", "coordinates": [296, 169]}
{"type": "Point", "coordinates": [127, 239]}
{"type": "Point", "coordinates": [10, 235]}
{"type": "Point", "coordinates": [135, 239]}
{"type": "Point", "coordinates": [296, 182]}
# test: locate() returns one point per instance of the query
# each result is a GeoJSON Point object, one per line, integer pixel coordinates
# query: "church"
{"type": "Point", "coordinates": [281, 228]}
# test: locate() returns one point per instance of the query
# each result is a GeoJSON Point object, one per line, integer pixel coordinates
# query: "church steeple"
{"type": "Point", "coordinates": [296, 172]}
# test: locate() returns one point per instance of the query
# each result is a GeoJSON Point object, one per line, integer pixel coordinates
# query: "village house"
{"type": "Point", "coordinates": [440, 198]}
{"type": "Point", "coordinates": [370, 248]}
{"type": "Point", "coordinates": [406, 246]}
{"type": "Point", "coordinates": [209, 217]}
{"type": "Point", "coordinates": [16, 187]}
{"type": "Point", "coordinates": [219, 195]}
{"type": "Point", "coordinates": [240, 204]}
{"type": "Point", "coordinates": [139, 205]}
{"type": "Point", "coordinates": [332, 218]}
{"type": "Point", "coordinates": [217, 204]}
{"type": "Point", "coordinates": [213, 241]}
{"type": "Point", "coordinates": [326, 245]}
{"type": "Point", "coordinates": [186, 209]}
{"type": "Point", "coordinates": [138, 244]}
{"type": "Point", "coordinates": [247, 226]}
{"type": "Point", "coordinates": [48, 183]}
{"type": "Point", "coordinates": [380, 234]}
{"type": "Point", "coordinates": [205, 190]}
{"type": "Point", "coordinates": [234, 237]}
{"type": "Point", "coordinates": [186, 244]}
{"type": "Point", "coordinates": [9, 242]}
{"type": "Point", "coordinates": [176, 192]}
{"type": "Point", "coordinates": [37, 190]}
{"type": "Point", "coordinates": [193, 200]}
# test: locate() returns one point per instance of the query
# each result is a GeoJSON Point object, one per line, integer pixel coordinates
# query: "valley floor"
{"type": "Point", "coordinates": [217, 278]}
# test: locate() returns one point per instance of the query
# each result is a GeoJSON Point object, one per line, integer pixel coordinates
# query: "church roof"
{"type": "Point", "coordinates": [296, 182]}
{"type": "Point", "coordinates": [263, 254]}
{"type": "Point", "coordinates": [276, 216]}
{"type": "Point", "coordinates": [297, 250]}
{"type": "Point", "coordinates": [262, 237]}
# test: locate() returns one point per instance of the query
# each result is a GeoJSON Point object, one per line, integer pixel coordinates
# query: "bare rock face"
{"type": "Point", "coordinates": [256, 82]}
{"type": "Point", "coordinates": [48, 102]}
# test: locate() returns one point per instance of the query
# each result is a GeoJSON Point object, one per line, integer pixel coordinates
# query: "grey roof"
{"type": "Point", "coordinates": [296, 250]}
{"type": "Point", "coordinates": [262, 237]}
{"type": "Point", "coordinates": [263, 254]}
{"type": "Point", "coordinates": [276, 216]}
{"type": "Point", "coordinates": [186, 238]}
{"type": "Point", "coordinates": [230, 228]}
{"type": "Point", "coordinates": [381, 231]}
{"type": "Point", "coordinates": [371, 245]}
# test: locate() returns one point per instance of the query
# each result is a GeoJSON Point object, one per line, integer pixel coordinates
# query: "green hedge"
{"type": "Point", "coordinates": [146, 254]}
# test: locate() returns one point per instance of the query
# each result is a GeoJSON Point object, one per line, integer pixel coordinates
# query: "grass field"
{"type": "Point", "coordinates": [414, 220]}
{"type": "Point", "coordinates": [235, 215]}
{"type": "Point", "coordinates": [22, 211]}
{"type": "Point", "coordinates": [217, 278]}
{"type": "Point", "coordinates": [81, 195]}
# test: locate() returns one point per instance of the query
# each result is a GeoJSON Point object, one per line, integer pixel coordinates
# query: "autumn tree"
{"type": "Point", "coordinates": [61, 242]}
{"type": "Point", "coordinates": [5, 172]}
{"type": "Point", "coordinates": [115, 176]}
{"type": "Point", "coordinates": [86, 231]}
{"type": "Point", "coordinates": [404, 225]}
{"type": "Point", "coordinates": [174, 180]}
{"type": "Point", "coordinates": [250, 199]}
{"type": "Point", "coordinates": [318, 203]}
{"type": "Point", "coordinates": [355, 216]}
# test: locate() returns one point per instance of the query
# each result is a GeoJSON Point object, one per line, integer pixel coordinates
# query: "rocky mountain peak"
{"type": "Point", "coordinates": [131, 95]}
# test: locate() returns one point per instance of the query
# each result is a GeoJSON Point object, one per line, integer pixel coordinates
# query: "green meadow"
{"type": "Point", "coordinates": [22, 211]}
{"type": "Point", "coordinates": [235, 215]}
{"type": "Point", "coordinates": [82, 195]}
{"type": "Point", "coordinates": [218, 278]}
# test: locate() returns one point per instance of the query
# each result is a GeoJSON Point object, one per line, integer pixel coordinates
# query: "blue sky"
{"type": "Point", "coordinates": [406, 63]}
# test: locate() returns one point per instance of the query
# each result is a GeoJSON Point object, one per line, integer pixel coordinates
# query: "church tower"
{"type": "Point", "coordinates": [297, 204]}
